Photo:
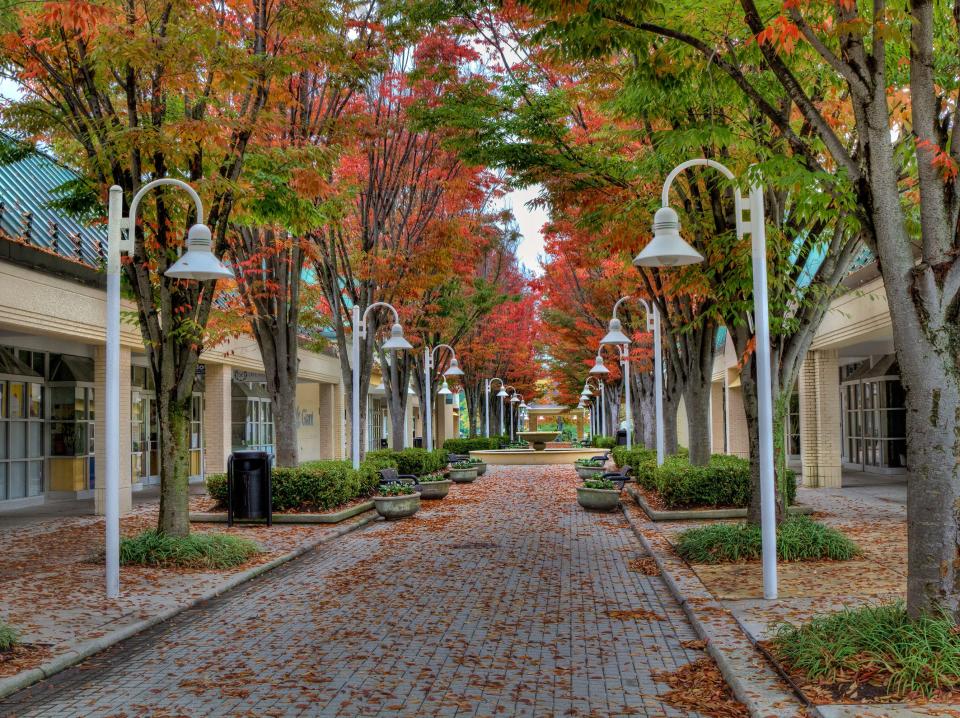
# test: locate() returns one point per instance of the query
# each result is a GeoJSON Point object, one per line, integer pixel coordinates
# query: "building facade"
{"type": "Point", "coordinates": [53, 376]}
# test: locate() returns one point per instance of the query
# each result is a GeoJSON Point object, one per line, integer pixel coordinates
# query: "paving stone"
{"type": "Point", "coordinates": [495, 601]}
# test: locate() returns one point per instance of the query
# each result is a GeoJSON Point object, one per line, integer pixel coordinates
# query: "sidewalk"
{"type": "Point", "coordinates": [52, 583]}
{"type": "Point", "coordinates": [872, 513]}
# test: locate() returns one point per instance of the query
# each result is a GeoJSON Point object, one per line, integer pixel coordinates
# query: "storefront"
{"type": "Point", "coordinates": [21, 428]}
{"type": "Point", "coordinates": [874, 417]}
{"type": "Point", "coordinates": [251, 413]}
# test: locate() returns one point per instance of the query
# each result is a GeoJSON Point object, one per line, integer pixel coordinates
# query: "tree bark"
{"type": "Point", "coordinates": [173, 418]}
{"type": "Point", "coordinates": [696, 400]}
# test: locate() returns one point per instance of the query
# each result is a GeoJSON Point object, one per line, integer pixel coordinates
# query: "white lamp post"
{"type": "Point", "coordinates": [513, 394]}
{"type": "Point", "coordinates": [616, 337]}
{"type": "Point", "coordinates": [598, 371]}
{"type": "Point", "coordinates": [601, 422]}
{"type": "Point", "coordinates": [429, 360]}
{"type": "Point", "coordinates": [486, 403]}
{"type": "Point", "coordinates": [394, 343]}
{"type": "Point", "coordinates": [197, 262]}
{"type": "Point", "coordinates": [668, 249]}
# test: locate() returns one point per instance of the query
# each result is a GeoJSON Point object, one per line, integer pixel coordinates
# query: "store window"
{"type": "Point", "coordinates": [874, 417]}
{"type": "Point", "coordinates": [21, 428]}
{"type": "Point", "coordinates": [251, 416]}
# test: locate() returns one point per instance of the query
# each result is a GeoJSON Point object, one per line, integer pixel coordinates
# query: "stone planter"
{"type": "Point", "coordinates": [397, 507]}
{"type": "Point", "coordinates": [598, 499]}
{"type": "Point", "coordinates": [588, 472]}
{"type": "Point", "coordinates": [463, 476]}
{"type": "Point", "coordinates": [435, 489]}
{"type": "Point", "coordinates": [481, 468]}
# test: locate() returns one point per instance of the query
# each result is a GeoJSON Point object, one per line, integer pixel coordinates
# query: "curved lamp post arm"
{"type": "Point", "coordinates": [135, 202]}
{"type": "Point", "coordinates": [432, 354]}
{"type": "Point", "coordinates": [722, 169]}
{"type": "Point", "coordinates": [362, 329]}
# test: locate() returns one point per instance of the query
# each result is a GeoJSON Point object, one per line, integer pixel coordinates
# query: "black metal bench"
{"type": "Point", "coordinates": [601, 457]}
{"type": "Point", "coordinates": [455, 458]}
{"type": "Point", "coordinates": [390, 476]}
{"type": "Point", "coordinates": [619, 477]}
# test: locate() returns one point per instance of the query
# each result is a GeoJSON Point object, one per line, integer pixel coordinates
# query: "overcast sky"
{"type": "Point", "coordinates": [531, 223]}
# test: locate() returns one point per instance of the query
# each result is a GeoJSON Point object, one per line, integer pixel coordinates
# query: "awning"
{"type": "Point", "coordinates": [11, 365]}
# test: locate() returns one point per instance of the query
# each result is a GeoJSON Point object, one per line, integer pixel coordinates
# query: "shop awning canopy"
{"type": "Point", "coordinates": [11, 365]}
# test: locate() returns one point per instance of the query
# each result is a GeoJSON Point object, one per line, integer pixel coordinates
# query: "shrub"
{"type": "Point", "coordinates": [396, 489]}
{"type": "Point", "coordinates": [599, 484]}
{"type": "Point", "coordinates": [8, 637]}
{"type": "Point", "coordinates": [799, 538]}
{"type": "Point", "coordinates": [477, 443]}
{"type": "Point", "coordinates": [590, 463]}
{"type": "Point", "coordinates": [908, 656]}
{"type": "Point", "coordinates": [622, 456]}
{"type": "Point", "coordinates": [313, 486]}
{"type": "Point", "coordinates": [417, 462]}
{"type": "Point", "coordinates": [197, 550]}
{"type": "Point", "coordinates": [604, 442]}
{"type": "Point", "coordinates": [725, 481]}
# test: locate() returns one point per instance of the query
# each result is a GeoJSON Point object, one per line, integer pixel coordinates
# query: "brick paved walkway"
{"type": "Point", "coordinates": [502, 599]}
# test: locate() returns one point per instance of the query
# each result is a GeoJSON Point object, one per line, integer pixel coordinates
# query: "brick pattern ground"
{"type": "Point", "coordinates": [503, 599]}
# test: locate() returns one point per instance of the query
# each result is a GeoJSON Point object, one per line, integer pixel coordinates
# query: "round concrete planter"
{"type": "Point", "coordinates": [397, 507]}
{"type": "Point", "coordinates": [588, 472]}
{"type": "Point", "coordinates": [481, 468]}
{"type": "Point", "coordinates": [463, 476]}
{"type": "Point", "coordinates": [598, 499]}
{"type": "Point", "coordinates": [435, 489]}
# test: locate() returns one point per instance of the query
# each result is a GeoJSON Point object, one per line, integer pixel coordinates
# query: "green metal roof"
{"type": "Point", "coordinates": [26, 188]}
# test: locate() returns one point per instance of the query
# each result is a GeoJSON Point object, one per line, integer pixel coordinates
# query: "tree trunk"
{"type": "Point", "coordinates": [284, 403]}
{"type": "Point", "coordinates": [696, 400]}
{"type": "Point", "coordinates": [174, 433]}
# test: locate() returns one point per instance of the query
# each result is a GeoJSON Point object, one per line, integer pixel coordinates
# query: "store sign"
{"type": "Point", "coordinates": [243, 375]}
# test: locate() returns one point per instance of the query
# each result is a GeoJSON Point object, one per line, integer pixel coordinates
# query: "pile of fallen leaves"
{"type": "Point", "coordinates": [646, 565]}
{"type": "Point", "coordinates": [22, 657]}
{"type": "Point", "coordinates": [699, 687]}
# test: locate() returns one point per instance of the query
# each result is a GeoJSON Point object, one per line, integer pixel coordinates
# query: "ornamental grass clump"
{"type": "Point", "coordinates": [799, 538]}
{"type": "Point", "coordinates": [198, 550]}
{"type": "Point", "coordinates": [904, 656]}
{"type": "Point", "coordinates": [8, 637]}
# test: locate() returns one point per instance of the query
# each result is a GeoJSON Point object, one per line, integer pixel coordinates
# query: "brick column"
{"type": "Point", "coordinates": [100, 454]}
{"type": "Point", "coordinates": [820, 431]}
{"type": "Point", "coordinates": [738, 439]}
{"type": "Point", "coordinates": [217, 415]}
{"type": "Point", "coordinates": [718, 434]}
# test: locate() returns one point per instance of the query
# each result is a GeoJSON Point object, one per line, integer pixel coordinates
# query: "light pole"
{"type": "Point", "coordinates": [668, 249]}
{"type": "Point", "coordinates": [616, 337]}
{"type": "Point", "coordinates": [486, 403]}
{"type": "Point", "coordinates": [601, 421]}
{"type": "Point", "coordinates": [428, 363]}
{"type": "Point", "coordinates": [598, 371]}
{"type": "Point", "coordinates": [197, 262]}
{"type": "Point", "coordinates": [394, 343]}
{"type": "Point", "coordinates": [513, 393]}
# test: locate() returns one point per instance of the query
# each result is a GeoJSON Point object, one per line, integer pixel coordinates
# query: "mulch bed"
{"type": "Point", "coordinates": [647, 566]}
{"type": "Point", "coordinates": [22, 657]}
{"type": "Point", "coordinates": [699, 687]}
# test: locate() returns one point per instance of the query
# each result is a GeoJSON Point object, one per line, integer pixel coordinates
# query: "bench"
{"type": "Point", "coordinates": [390, 476]}
{"type": "Point", "coordinates": [619, 477]}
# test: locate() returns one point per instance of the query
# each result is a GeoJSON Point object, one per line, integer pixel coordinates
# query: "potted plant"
{"type": "Point", "coordinates": [589, 468]}
{"type": "Point", "coordinates": [481, 465]}
{"type": "Point", "coordinates": [463, 472]}
{"type": "Point", "coordinates": [396, 501]}
{"type": "Point", "coordinates": [598, 495]}
{"type": "Point", "coordinates": [434, 486]}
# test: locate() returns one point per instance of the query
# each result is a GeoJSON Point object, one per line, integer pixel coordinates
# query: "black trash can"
{"type": "Point", "coordinates": [384, 444]}
{"type": "Point", "coordinates": [418, 442]}
{"type": "Point", "coordinates": [249, 486]}
{"type": "Point", "coordinates": [621, 437]}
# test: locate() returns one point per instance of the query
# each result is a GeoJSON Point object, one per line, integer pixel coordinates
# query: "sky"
{"type": "Point", "coordinates": [531, 221]}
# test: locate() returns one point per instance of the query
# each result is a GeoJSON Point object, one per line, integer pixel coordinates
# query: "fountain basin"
{"type": "Point", "coordinates": [530, 457]}
{"type": "Point", "coordinates": [537, 439]}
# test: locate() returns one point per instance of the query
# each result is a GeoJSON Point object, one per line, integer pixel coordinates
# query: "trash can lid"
{"type": "Point", "coordinates": [250, 454]}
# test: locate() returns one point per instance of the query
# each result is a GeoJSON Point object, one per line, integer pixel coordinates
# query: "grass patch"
{"type": "Point", "coordinates": [8, 637]}
{"type": "Point", "coordinates": [876, 644]}
{"type": "Point", "coordinates": [197, 550]}
{"type": "Point", "coordinates": [799, 538]}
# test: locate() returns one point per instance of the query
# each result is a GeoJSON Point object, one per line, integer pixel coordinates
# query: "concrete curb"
{"type": "Point", "coordinates": [86, 649]}
{"type": "Point", "coordinates": [331, 518]}
{"type": "Point", "coordinates": [701, 514]}
{"type": "Point", "coordinates": [752, 680]}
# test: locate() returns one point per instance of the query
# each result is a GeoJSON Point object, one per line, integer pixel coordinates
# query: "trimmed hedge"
{"type": "Point", "coordinates": [725, 481]}
{"type": "Point", "coordinates": [622, 456]}
{"type": "Point", "coordinates": [477, 443]}
{"type": "Point", "coordinates": [313, 486]}
{"type": "Point", "coordinates": [604, 442]}
{"type": "Point", "coordinates": [418, 462]}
